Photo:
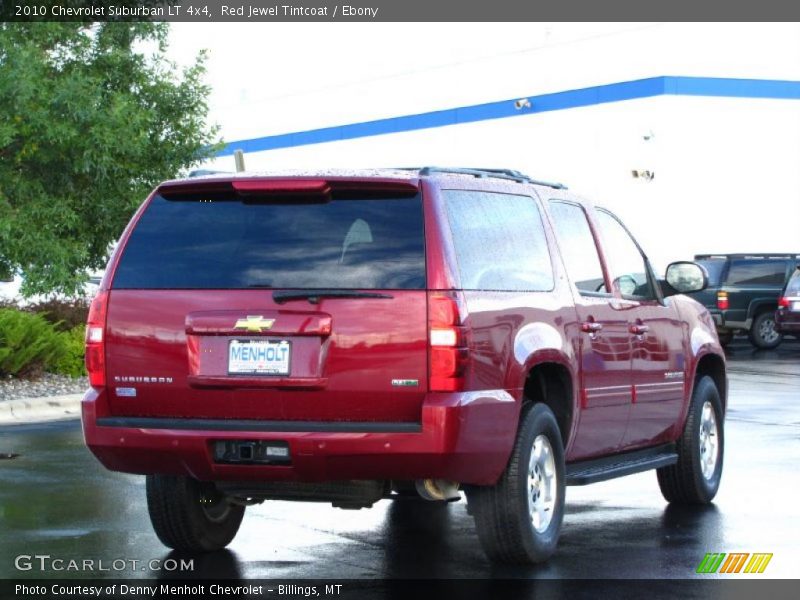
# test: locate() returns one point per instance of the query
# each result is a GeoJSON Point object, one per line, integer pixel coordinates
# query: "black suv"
{"type": "Point", "coordinates": [743, 292]}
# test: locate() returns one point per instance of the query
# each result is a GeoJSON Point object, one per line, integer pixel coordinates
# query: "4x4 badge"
{"type": "Point", "coordinates": [405, 382]}
{"type": "Point", "coordinates": [254, 323]}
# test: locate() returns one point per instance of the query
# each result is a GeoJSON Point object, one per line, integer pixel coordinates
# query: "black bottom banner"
{"type": "Point", "coordinates": [411, 589]}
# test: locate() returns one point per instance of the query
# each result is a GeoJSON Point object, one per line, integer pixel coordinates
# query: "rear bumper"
{"type": "Point", "coordinates": [724, 324]}
{"type": "Point", "coordinates": [787, 322]}
{"type": "Point", "coordinates": [464, 437]}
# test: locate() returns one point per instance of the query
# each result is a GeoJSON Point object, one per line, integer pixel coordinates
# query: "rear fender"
{"type": "Point", "coordinates": [538, 344]}
{"type": "Point", "coordinates": [759, 305]}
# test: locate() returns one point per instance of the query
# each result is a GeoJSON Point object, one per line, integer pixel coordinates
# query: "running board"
{"type": "Point", "coordinates": [619, 465]}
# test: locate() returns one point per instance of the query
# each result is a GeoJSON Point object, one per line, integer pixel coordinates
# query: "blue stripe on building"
{"type": "Point", "coordinates": [601, 94]}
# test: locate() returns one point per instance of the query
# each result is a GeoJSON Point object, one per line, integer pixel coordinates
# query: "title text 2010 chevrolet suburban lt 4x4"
{"type": "Point", "coordinates": [347, 337]}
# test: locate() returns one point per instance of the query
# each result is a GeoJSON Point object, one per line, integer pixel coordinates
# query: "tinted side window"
{"type": "Point", "coordinates": [499, 241]}
{"type": "Point", "coordinates": [231, 242]}
{"type": "Point", "coordinates": [578, 250]}
{"type": "Point", "coordinates": [757, 272]}
{"type": "Point", "coordinates": [714, 268]}
{"type": "Point", "coordinates": [624, 260]}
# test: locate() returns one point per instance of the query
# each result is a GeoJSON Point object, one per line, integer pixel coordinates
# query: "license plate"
{"type": "Point", "coordinates": [796, 306]}
{"type": "Point", "coordinates": [259, 357]}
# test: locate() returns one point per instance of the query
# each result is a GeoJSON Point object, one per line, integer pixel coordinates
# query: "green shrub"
{"type": "Point", "coordinates": [28, 343]}
{"type": "Point", "coordinates": [71, 360]}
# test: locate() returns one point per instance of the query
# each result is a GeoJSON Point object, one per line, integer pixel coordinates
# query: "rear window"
{"type": "Point", "coordinates": [757, 272]}
{"type": "Point", "coordinates": [714, 269]}
{"type": "Point", "coordinates": [499, 241]}
{"type": "Point", "coordinates": [230, 243]}
{"type": "Point", "coordinates": [793, 286]}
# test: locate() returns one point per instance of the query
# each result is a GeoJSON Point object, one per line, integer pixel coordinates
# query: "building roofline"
{"type": "Point", "coordinates": [601, 94]}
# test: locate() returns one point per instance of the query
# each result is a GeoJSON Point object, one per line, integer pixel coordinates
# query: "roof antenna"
{"type": "Point", "coordinates": [238, 157]}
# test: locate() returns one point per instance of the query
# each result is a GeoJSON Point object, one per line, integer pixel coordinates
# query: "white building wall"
{"type": "Point", "coordinates": [270, 79]}
{"type": "Point", "coordinates": [727, 170]}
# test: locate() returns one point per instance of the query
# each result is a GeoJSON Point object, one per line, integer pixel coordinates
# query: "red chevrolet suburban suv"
{"type": "Point", "coordinates": [351, 336]}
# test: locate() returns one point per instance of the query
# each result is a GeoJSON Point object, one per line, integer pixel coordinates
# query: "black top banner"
{"type": "Point", "coordinates": [206, 11]}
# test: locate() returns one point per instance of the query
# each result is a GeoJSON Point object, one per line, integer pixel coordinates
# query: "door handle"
{"type": "Point", "coordinates": [639, 329]}
{"type": "Point", "coordinates": [591, 327]}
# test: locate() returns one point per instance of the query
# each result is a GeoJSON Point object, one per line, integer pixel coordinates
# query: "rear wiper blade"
{"type": "Point", "coordinates": [314, 296]}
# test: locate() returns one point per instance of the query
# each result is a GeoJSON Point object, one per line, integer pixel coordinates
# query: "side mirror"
{"type": "Point", "coordinates": [685, 277]}
{"type": "Point", "coordinates": [626, 285]}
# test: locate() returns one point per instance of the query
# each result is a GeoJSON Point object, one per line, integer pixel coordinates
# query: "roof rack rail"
{"type": "Point", "coordinates": [206, 172]}
{"type": "Point", "coordinates": [512, 173]}
{"type": "Point", "coordinates": [480, 173]}
{"type": "Point", "coordinates": [748, 255]}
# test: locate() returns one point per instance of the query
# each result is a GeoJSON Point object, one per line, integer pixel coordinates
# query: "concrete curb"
{"type": "Point", "coordinates": [36, 410]}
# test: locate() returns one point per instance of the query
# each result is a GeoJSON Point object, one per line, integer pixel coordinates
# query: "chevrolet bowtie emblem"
{"type": "Point", "coordinates": [254, 323]}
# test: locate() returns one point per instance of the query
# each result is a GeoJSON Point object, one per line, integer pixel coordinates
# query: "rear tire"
{"type": "Point", "coordinates": [519, 518]}
{"type": "Point", "coordinates": [695, 478]}
{"type": "Point", "coordinates": [189, 515]}
{"type": "Point", "coordinates": [763, 333]}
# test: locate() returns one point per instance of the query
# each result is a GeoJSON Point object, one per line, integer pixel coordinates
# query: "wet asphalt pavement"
{"type": "Point", "coordinates": [56, 499]}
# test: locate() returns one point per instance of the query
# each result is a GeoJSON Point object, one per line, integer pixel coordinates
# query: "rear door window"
{"type": "Point", "coordinates": [755, 272]}
{"type": "Point", "coordinates": [213, 242]}
{"type": "Point", "coordinates": [578, 249]}
{"type": "Point", "coordinates": [499, 241]}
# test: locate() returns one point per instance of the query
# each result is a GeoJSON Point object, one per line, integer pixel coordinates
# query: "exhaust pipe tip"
{"type": "Point", "coordinates": [438, 490]}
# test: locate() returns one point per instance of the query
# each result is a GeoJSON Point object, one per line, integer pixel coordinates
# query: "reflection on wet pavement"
{"type": "Point", "coordinates": [55, 499]}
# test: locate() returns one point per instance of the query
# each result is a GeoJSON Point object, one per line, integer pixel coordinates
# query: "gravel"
{"type": "Point", "coordinates": [46, 385]}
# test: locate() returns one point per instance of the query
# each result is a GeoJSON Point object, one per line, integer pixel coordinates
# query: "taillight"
{"type": "Point", "coordinates": [722, 300]}
{"type": "Point", "coordinates": [783, 302]}
{"type": "Point", "coordinates": [95, 340]}
{"type": "Point", "coordinates": [448, 350]}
